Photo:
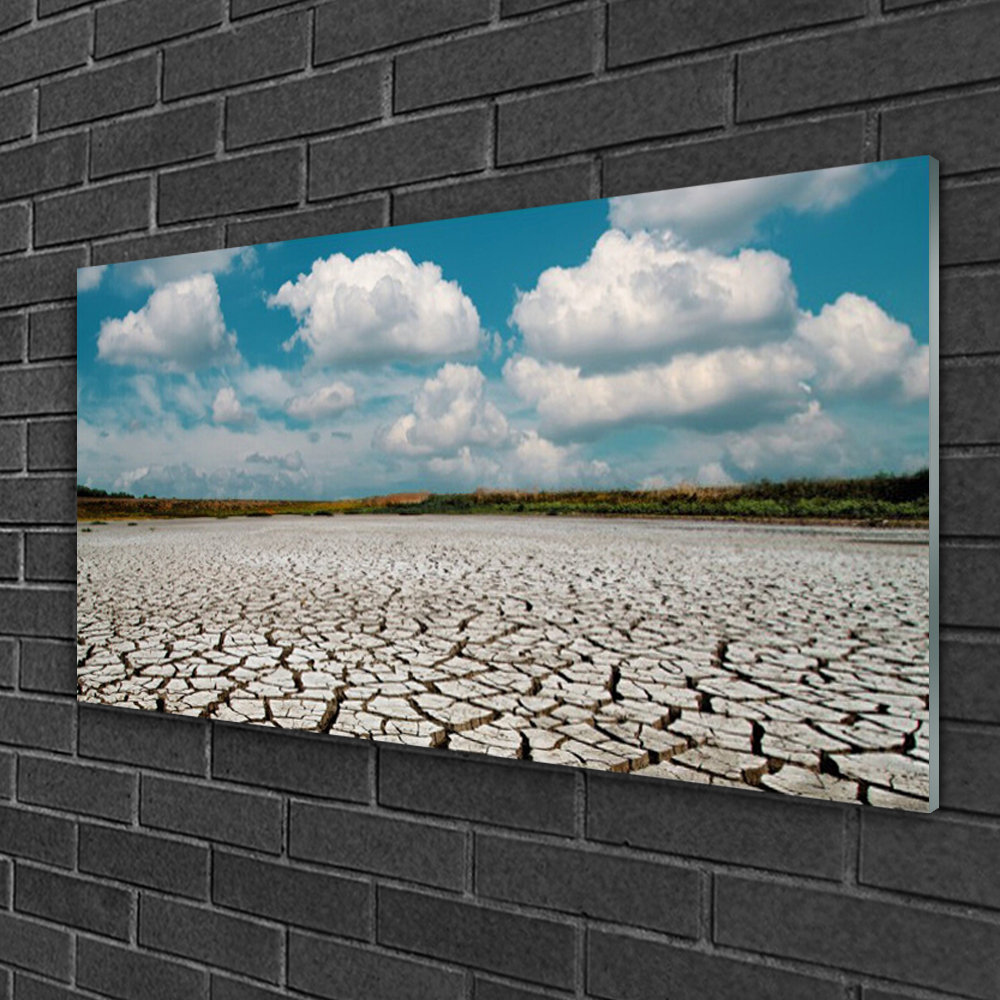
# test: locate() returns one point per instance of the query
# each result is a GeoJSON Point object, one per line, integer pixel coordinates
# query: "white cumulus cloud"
{"type": "Point", "coordinates": [153, 273]}
{"type": "Point", "coordinates": [538, 462]}
{"type": "Point", "coordinates": [179, 329]}
{"type": "Point", "coordinates": [857, 344]}
{"type": "Point", "coordinates": [725, 215]}
{"type": "Point", "coordinates": [712, 474]}
{"type": "Point", "coordinates": [266, 384]}
{"type": "Point", "coordinates": [807, 442]}
{"type": "Point", "coordinates": [466, 467]}
{"type": "Point", "coordinates": [89, 278]}
{"type": "Point", "coordinates": [644, 296]}
{"type": "Point", "coordinates": [450, 410]}
{"type": "Point", "coordinates": [380, 307]}
{"type": "Point", "coordinates": [182, 479]}
{"type": "Point", "coordinates": [525, 461]}
{"type": "Point", "coordinates": [706, 474]}
{"type": "Point", "coordinates": [327, 401]}
{"type": "Point", "coordinates": [690, 385]}
{"type": "Point", "coordinates": [851, 347]}
{"type": "Point", "coordinates": [916, 374]}
{"type": "Point", "coordinates": [227, 409]}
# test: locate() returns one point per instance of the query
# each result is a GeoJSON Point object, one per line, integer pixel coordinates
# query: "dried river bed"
{"type": "Point", "coordinates": [773, 657]}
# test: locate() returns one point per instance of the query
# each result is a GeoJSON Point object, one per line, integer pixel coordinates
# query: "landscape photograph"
{"type": "Point", "coordinates": [644, 484]}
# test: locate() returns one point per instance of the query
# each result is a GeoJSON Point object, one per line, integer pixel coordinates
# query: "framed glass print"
{"type": "Point", "coordinates": [644, 484]}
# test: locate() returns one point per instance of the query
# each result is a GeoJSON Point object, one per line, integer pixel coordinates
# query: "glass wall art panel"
{"type": "Point", "coordinates": [644, 484]}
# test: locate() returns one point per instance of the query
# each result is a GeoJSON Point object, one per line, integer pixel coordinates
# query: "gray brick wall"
{"type": "Point", "coordinates": [145, 856]}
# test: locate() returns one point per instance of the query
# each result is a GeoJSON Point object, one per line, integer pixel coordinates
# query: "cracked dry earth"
{"type": "Point", "coordinates": [792, 659]}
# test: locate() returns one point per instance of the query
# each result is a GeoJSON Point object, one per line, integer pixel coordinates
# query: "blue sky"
{"type": "Point", "coordinates": [774, 327]}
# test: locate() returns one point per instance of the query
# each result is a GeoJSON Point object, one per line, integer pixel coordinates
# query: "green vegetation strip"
{"type": "Point", "coordinates": [874, 499]}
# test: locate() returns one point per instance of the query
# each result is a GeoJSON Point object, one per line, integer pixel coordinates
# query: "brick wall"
{"type": "Point", "coordinates": [146, 856]}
